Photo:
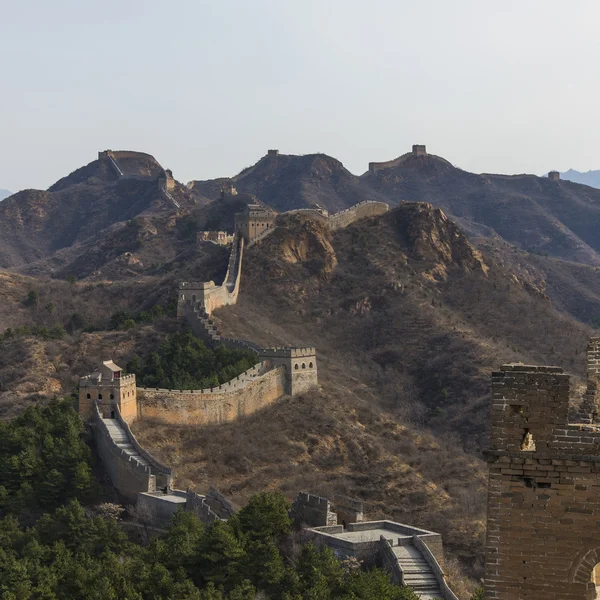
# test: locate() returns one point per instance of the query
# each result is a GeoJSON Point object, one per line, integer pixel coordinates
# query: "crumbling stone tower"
{"type": "Point", "coordinates": [554, 175]}
{"type": "Point", "coordinates": [419, 150]}
{"type": "Point", "coordinates": [543, 532]}
{"type": "Point", "coordinates": [589, 409]}
{"type": "Point", "coordinates": [108, 387]}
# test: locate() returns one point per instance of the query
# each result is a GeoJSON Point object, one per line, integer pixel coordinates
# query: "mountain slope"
{"type": "Point", "coordinates": [34, 224]}
{"type": "Point", "coordinates": [286, 182]}
{"type": "Point", "coordinates": [409, 320]}
{"type": "Point", "coordinates": [555, 217]}
{"type": "Point", "coordinates": [559, 218]}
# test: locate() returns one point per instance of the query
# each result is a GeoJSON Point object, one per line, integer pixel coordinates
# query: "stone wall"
{"type": "Point", "coordinates": [361, 210]}
{"type": "Point", "coordinates": [543, 505]}
{"type": "Point", "coordinates": [127, 474]}
{"type": "Point", "coordinates": [208, 296]}
{"type": "Point", "coordinates": [160, 507]}
{"type": "Point", "coordinates": [313, 511]}
{"type": "Point", "coordinates": [219, 504]}
{"type": "Point", "coordinates": [349, 510]}
{"type": "Point", "coordinates": [242, 396]}
{"type": "Point", "coordinates": [197, 505]}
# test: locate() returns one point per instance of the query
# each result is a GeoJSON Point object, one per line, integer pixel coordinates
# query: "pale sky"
{"type": "Point", "coordinates": [208, 86]}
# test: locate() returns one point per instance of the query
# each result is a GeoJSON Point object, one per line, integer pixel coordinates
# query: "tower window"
{"type": "Point", "coordinates": [295, 367]}
{"type": "Point", "coordinates": [99, 396]}
{"type": "Point", "coordinates": [88, 396]}
{"type": "Point", "coordinates": [112, 396]}
{"type": "Point", "coordinates": [304, 365]}
{"type": "Point", "coordinates": [310, 365]}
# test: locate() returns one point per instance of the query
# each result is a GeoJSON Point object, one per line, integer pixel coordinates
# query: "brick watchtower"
{"type": "Point", "coordinates": [108, 387]}
{"type": "Point", "coordinates": [300, 367]}
{"type": "Point", "coordinates": [543, 528]}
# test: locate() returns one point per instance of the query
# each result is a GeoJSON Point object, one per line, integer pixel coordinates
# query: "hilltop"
{"type": "Point", "coordinates": [536, 214]}
{"type": "Point", "coordinates": [84, 206]}
{"type": "Point", "coordinates": [89, 208]}
{"type": "Point", "coordinates": [287, 182]}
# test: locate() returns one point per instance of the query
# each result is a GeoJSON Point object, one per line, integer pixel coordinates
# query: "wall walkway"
{"type": "Point", "coordinates": [131, 468]}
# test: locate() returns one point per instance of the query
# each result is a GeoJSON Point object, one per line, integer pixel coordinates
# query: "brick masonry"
{"type": "Point", "coordinates": [543, 530]}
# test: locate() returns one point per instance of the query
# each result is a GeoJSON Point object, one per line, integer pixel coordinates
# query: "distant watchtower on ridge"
{"type": "Point", "coordinates": [554, 176]}
{"type": "Point", "coordinates": [253, 221]}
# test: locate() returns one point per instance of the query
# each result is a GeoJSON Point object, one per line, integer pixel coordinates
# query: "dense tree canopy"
{"type": "Point", "coordinates": [76, 554]}
{"type": "Point", "coordinates": [184, 362]}
{"type": "Point", "coordinates": [43, 459]}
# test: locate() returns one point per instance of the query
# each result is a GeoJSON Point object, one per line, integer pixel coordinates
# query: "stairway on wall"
{"type": "Point", "coordinates": [418, 575]}
{"type": "Point", "coordinates": [121, 439]}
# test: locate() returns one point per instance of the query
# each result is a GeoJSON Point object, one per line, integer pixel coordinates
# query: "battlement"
{"type": "Point", "coordinates": [288, 352]}
{"type": "Point", "coordinates": [196, 285]}
{"type": "Point", "coordinates": [593, 357]}
{"type": "Point", "coordinates": [90, 381]}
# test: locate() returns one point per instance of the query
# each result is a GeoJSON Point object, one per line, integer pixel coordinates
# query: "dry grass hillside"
{"type": "Point", "coordinates": [409, 320]}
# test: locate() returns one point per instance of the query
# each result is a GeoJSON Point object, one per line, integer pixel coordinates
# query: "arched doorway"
{"type": "Point", "coordinates": [583, 572]}
{"type": "Point", "coordinates": [112, 414]}
{"type": "Point", "coordinates": [596, 580]}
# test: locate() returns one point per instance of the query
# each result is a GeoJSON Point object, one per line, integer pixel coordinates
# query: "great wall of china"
{"type": "Point", "coordinates": [127, 165]}
{"type": "Point", "coordinates": [112, 401]}
{"type": "Point", "coordinates": [544, 459]}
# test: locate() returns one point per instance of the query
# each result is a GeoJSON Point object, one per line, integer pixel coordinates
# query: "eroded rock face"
{"type": "Point", "coordinates": [309, 242]}
{"type": "Point", "coordinates": [432, 237]}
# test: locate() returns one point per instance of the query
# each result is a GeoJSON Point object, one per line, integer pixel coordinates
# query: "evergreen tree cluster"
{"type": "Point", "coordinates": [73, 554]}
{"type": "Point", "coordinates": [184, 362]}
{"type": "Point", "coordinates": [43, 459]}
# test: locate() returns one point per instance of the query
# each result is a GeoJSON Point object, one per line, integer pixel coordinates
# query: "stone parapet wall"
{"type": "Point", "coordinates": [128, 475]}
{"type": "Point", "coordinates": [388, 164]}
{"type": "Point", "coordinates": [368, 208]}
{"type": "Point", "coordinates": [196, 504]}
{"type": "Point", "coordinates": [313, 511]}
{"type": "Point", "coordinates": [219, 504]}
{"type": "Point", "coordinates": [206, 295]}
{"type": "Point", "coordinates": [431, 549]}
{"type": "Point", "coordinates": [162, 472]}
{"type": "Point", "coordinates": [390, 562]}
{"type": "Point", "coordinates": [227, 403]}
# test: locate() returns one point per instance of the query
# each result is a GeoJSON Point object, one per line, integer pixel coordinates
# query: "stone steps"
{"type": "Point", "coordinates": [121, 439]}
{"type": "Point", "coordinates": [418, 575]}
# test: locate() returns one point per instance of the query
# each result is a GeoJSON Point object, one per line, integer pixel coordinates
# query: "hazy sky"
{"type": "Point", "coordinates": [208, 86]}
